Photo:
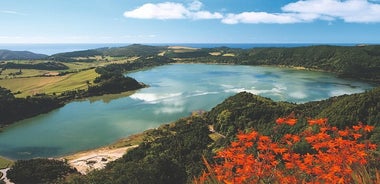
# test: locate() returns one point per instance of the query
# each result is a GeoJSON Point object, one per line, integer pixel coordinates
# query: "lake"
{"type": "Point", "coordinates": [175, 91]}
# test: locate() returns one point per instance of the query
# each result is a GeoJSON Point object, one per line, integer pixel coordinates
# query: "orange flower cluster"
{"type": "Point", "coordinates": [255, 158]}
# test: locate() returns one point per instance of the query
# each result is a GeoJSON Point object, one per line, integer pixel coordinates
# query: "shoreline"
{"type": "Point", "coordinates": [96, 159]}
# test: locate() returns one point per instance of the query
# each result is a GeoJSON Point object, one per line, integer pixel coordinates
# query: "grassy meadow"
{"type": "Point", "coordinates": [4, 163]}
{"type": "Point", "coordinates": [54, 84]}
{"type": "Point", "coordinates": [34, 81]}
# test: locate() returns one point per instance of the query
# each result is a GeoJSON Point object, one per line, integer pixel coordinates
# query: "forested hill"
{"type": "Point", "coordinates": [173, 153]}
{"type": "Point", "coordinates": [355, 62]}
{"type": "Point", "coordinates": [19, 55]}
{"type": "Point", "coordinates": [245, 110]}
{"type": "Point", "coordinates": [127, 51]}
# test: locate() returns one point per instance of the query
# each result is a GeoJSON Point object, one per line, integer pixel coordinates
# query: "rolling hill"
{"type": "Point", "coordinates": [20, 55]}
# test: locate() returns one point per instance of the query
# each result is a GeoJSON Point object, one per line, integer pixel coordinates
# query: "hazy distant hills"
{"type": "Point", "coordinates": [20, 55]}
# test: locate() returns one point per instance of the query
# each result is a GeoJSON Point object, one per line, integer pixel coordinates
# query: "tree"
{"type": "Point", "coordinates": [38, 171]}
{"type": "Point", "coordinates": [5, 94]}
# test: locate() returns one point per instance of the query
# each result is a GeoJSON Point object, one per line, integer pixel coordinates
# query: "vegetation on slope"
{"type": "Point", "coordinates": [13, 109]}
{"type": "Point", "coordinates": [5, 163]}
{"type": "Point", "coordinates": [48, 65]}
{"type": "Point", "coordinates": [250, 111]}
{"type": "Point", "coordinates": [128, 51]}
{"type": "Point", "coordinates": [181, 145]}
{"type": "Point", "coordinates": [19, 55]}
{"type": "Point", "coordinates": [38, 171]}
{"type": "Point", "coordinates": [354, 62]}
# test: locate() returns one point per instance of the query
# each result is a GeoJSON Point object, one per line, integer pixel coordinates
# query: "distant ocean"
{"type": "Point", "coordinates": [50, 49]}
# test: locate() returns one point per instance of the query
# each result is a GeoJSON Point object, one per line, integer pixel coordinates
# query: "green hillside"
{"type": "Point", "coordinates": [354, 62]}
{"type": "Point", "coordinates": [135, 50]}
{"type": "Point", "coordinates": [19, 55]}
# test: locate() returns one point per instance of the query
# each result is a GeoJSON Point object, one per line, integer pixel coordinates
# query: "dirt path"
{"type": "Point", "coordinates": [4, 177]}
{"type": "Point", "coordinates": [95, 159]}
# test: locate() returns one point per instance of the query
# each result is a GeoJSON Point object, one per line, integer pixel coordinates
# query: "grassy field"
{"type": "Point", "coordinates": [25, 73]}
{"type": "Point", "coordinates": [74, 66]}
{"type": "Point", "coordinates": [49, 85]}
{"type": "Point", "coordinates": [31, 81]}
{"type": "Point", "coordinates": [4, 163]}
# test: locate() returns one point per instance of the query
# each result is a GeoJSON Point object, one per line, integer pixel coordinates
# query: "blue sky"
{"type": "Point", "coordinates": [190, 21]}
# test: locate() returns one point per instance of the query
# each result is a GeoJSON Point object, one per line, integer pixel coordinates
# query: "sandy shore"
{"type": "Point", "coordinates": [95, 159]}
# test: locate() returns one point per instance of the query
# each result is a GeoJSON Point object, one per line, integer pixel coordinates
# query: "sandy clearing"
{"type": "Point", "coordinates": [95, 159]}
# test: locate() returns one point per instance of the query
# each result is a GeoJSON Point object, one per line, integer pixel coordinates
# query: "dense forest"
{"type": "Point", "coordinates": [13, 109]}
{"type": "Point", "coordinates": [173, 153]}
{"type": "Point", "coordinates": [361, 62]}
{"type": "Point", "coordinates": [39, 171]}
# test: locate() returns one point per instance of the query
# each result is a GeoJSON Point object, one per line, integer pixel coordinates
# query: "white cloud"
{"type": "Point", "coordinates": [167, 10]}
{"type": "Point", "coordinates": [261, 17]}
{"type": "Point", "coordinates": [302, 11]}
{"type": "Point", "coordinates": [355, 11]}
{"type": "Point", "coordinates": [171, 10]}
{"type": "Point", "coordinates": [206, 15]}
{"type": "Point", "coordinates": [11, 12]}
{"type": "Point", "coordinates": [195, 5]}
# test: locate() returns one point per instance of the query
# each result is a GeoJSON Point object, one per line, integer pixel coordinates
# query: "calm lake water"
{"type": "Point", "coordinates": [175, 91]}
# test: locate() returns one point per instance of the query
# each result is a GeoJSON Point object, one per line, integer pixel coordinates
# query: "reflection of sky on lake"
{"type": "Point", "coordinates": [175, 91]}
